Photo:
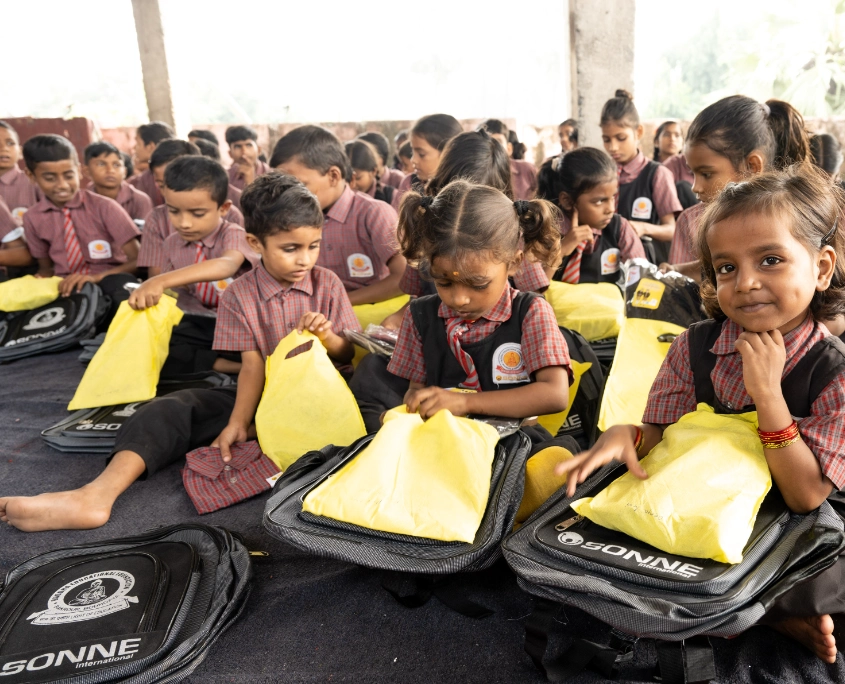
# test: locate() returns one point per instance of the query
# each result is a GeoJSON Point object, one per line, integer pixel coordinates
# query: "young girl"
{"type": "Point", "coordinates": [732, 139]}
{"type": "Point", "coordinates": [768, 293]}
{"type": "Point", "coordinates": [429, 136]}
{"type": "Point", "coordinates": [827, 154]}
{"type": "Point", "coordinates": [596, 241]}
{"type": "Point", "coordinates": [668, 141]}
{"type": "Point", "coordinates": [363, 158]}
{"type": "Point", "coordinates": [647, 194]}
{"type": "Point", "coordinates": [478, 332]}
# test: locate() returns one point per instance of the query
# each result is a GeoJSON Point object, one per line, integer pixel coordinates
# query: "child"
{"type": "Point", "coordinates": [285, 292]}
{"type": "Point", "coordinates": [157, 225]}
{"type": "Point", "coordinates": [363, 158]}
{"type": "Point", "coordinates": [768, 292]}
{"type": "Point", "coordinates": [147, 138]}
{"type": "Point", "coordinates": [208, 136]}
{"type": "Point", "coordinates": [523, 174]}
{"type": "Point", "coordinates": [668, 141]}
{"type": "Point", "coordinates": [404, 156]}
{"type": "Point", "coordinates": [399, 141]}
{"type": "Point", "coordinates": [596, 240]}
{"type": "Point", "coordinates": [16, 190]}
{"type": "Point", "coordinates": [210, 150]}
{"type": "Point", "coordinates": [128, 164]}
{"type": "Point", "coordinates": [729, 141]}
{"type": "Point", "coordinates": [647, 194]}
{"type": "Point", "coordinates": [826, 154]}
{"type": "Point", "coordinates": [244, 151]}
{"type": "Point", "coordinates": [104, 166]}
{"type": "Point", "coordinates": [359, 232]}
{"type": "Point", "coordinates": [568, 134]}
{"type": "Point", "coordinates": [429, 136]}
{"type": "Point", "coordinates": [479, 333]}
{"type": "Point", "coordinates": [388, 177]}
{"type": "Point", "coordinates": [13, 251]}
{"type": "Point", "coordinates": [77, 234]}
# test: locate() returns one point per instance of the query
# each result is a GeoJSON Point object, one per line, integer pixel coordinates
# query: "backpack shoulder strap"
{"type": "Point", "coordinates": [815, 371]}
{"type": "Point", "coordinates": [702, 336]}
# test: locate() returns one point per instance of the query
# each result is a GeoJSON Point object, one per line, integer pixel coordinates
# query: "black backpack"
{"type": "Point", "coordinates": [583, 415]}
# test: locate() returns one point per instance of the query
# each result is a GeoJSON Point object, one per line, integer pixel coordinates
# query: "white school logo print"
{"type": "Point", "coordinates": [46, 318]}
{"type": "Point", "coordinates": [87, 598]}
{"type": "Point", "coordinates": [221, 285]}
{"type": "Point", "coordinates": [99, 249]}
{"type": "Point", "coordinates": [641, 208]}
{"type": "Point", "coordinates": [360, 266]}
{"type": "Point", "coordinates": [609, 261]}
{"type": "Point", "coordinates": [508, 364]}
{"type": "Point", "coordinates": [17, 214]}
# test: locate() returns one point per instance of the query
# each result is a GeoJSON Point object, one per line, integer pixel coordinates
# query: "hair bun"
{"type": "Point", "coordinates": [624, 93]}
{"type": "Point", "coordinates": [426, 201]}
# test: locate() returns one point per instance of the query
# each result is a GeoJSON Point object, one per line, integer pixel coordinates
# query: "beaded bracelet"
{"type": "Point", "coordinates": [780, 438]}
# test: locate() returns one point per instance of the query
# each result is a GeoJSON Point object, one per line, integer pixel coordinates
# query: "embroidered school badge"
{"type": "Point", "coordinates": [99, 249]}
{"type": "Point", "coordinates": [642, 208]}
{"type": "Point", "coordinates": [609, 261]}
{"type": "Point", "coordinates": [508, 364]}
{"type": "Point", "coordinates": [360, 266]}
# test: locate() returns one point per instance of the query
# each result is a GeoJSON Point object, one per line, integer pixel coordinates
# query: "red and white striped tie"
{"type": "Point", "coordinates": [75, 260]}
{"type": "Point", "coordinates": [205, 291]}
{"type": "Point", "coordinates": [455, 328]}
{"type": "Point", "coordinates": [572, 272]}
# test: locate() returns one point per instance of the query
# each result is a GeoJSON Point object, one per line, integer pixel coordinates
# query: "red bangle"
{"type": "Point", "coordinates": [638, 440]}
{"type": "Point", "coordinates": [780, 438]}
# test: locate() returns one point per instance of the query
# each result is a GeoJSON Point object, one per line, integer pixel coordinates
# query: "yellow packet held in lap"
{"type": "Point", "coordinates": [596, 310]}
{"type": "Point", "coordinates": [425, 479]}
{"type": "Point", "coordinates": [28, 292]}
{"type": "Point", "coordinates": [707, 479]}
{"type": "Point", "coordinates": [127, 365]}
{"type": "Point", "coordinates": [374, 314]}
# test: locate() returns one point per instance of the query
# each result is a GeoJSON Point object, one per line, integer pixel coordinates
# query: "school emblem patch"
{"type": "Point", "coordinates": [508, 364]}
{"type": "Point", "coordinates": [360, 266]}
{"type": "Point", "coordinates": [641, 208]}
{"type": "Point", "coordinates": [609, 261]}
{"type": "Point", "coordinates": [99, 249]}
{"type": "Point", "coordinates": [87, 598]}
{"type": "Point", "coordinates": [221, 285]}
{"type": "Point", "coordinates": [13, 235]}
{"type": "Point", "coordinates": [17, 214]}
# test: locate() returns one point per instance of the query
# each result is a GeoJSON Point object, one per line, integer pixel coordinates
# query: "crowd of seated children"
{"type": "Point", "coordinates": [523, 173]}
{"type": "Point", "coordinates": [105, 168]}
{"type": "Point", "coordinates": [244, 151]}
{"type": "Point", "coordinates": [387, 177]}
{"type": "Point", "coordinates": [363, 159]}
{"type": "Point", "coordinates": [147, 138]}
{"type": "Point", "coordinates": [16, 190]}
{"type": "Point", "coordinates": [212, 151]}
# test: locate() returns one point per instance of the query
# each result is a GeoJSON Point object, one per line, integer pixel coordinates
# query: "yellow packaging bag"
{"type": "Point", "coordinates": [541, 481]}
{"type": "Point", "coordinates": [553, 421]}
{"type": "Point", "coordinates": [425, 479]}
{"type": "Point", "coordinates": [596, 310]}
{"type": "Point", "coordinates": [28, 292]}
{"type": "Point", "coordinates": [640, 350]}
{"type": "Point", "coordinates": [707, 479]}
{"type": "Point", "coordinates": [127, 365]}
{"type": "Point", "coordinates": [306, 404]}
{"type": "Point", "coordinates": [375, 314]}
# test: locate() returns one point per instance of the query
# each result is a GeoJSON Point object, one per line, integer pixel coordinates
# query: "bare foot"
{"type": "Point", "coordinates": [79, 509]}
{"type": "Point", "coordinates": [816, 633]}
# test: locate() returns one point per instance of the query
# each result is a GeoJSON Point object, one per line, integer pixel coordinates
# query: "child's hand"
{"type": "Point", "coordinates": [615, 444]}
{"type": "Point", "coordinates": [575, 236]}
{"type": "Point", "coordinates": [394, 320]}
{"type": "Point", "coordinates": [146, 296]}
{"type": "Point", "coordinates": [74, 282]}
{"type": "Point", "coordinates": [429, 400]}
{"type": "Point", "coordinates": [315, 323]}
{"type": "Point", "coordinates": [666, 267]}
{"type": "Point", "coordinates": [763, 358]}
{"type": "Point", "coordinates": [232, 434]}
{"type": "Point", "coordinates": [246, 171]}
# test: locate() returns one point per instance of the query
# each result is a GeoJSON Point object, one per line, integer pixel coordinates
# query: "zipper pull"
{"type": "Point", "coordinates": [259, 554]}
{"type": "Point", "coordinates": [566, 524]}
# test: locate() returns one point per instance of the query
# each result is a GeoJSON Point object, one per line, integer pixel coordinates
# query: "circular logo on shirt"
{"type": "Point", "coordinates": [641, 208]}
{"type": "Point", "coordinates": [17, 214]}
{"type": "Point", "coordinates": [508, 364]}
{"type": "Point", "coordinates": [86, 598]}
{"type": "Point", "coordinates": [512, 359]}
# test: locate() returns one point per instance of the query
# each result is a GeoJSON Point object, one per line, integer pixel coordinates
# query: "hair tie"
{"type": "Point", "coordinates": [766, 109]}
{"type": "Point", "coordinates": [426, 201]}
{"type": "Point", "coordinates": [521, 206]}
{"type": "Point", "coordinates": [827, 238]}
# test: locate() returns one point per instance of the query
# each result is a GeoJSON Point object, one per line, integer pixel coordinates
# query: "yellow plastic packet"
{"type": "Point", "coordinates": [596, 310]}
{"type": "Point", "coordinates": [375, 314]}
{"type": "Point", "coordinates": [540, 479]}
{"type": "Point", "coordinates": [553, 421]}
{"type": "Point", "coordinates": [28, 292]}
{"type": "Point", "coordinates": [639, 355]}
{"type": "Point", "coordinates": [127, 365]}
{"type": "Point", "coordinates": [707, 479]}
{"type": "Point", "coordinates": [425, 479]}
{"type": "Point", "coordinates": [306, 403]}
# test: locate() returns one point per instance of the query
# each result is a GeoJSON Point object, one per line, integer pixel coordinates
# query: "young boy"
{"type": "Point", "coordinates": [199, 134]}
{"type": "Point", "coordinates": [244, 150]}
{"type": "Point", "coordinates": [77, 234]}
{"type": "Point", "coordinates": [104, 166]}
{"type": "Point", "coordinates": [523, 173]}
{"type": "Point", "coordinates": [201, 258]}
{"type": "Point", "coordinates": [360, 232]}
{"type": "Point", "coordinates": [285, 292]}
{"type": "Point", "coordinates": [386, 176]}
{"type": "Point", "coordinates": [212, 151]}
{"type": "Point", "coordinates": [157, 225]}
{"type": "Point", "coordinates": [16, 190]}
{"type": "Point", "coordinates": [13, 251]}
{"type": "Point", "coordinates": [147, 138]}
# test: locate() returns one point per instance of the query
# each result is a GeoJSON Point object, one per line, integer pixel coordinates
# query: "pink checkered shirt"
{"type": "Point", "coordinates": [359, 238]}
{"type": "Point", "coordinates": [235, 196]}
{"type": "Point", "coordinates": [18, 192]}
{"type": "Point", "coordinates": [530, 278]}
{"type": "Point", "coordinates": [227, 237]}
{"type": "Point", "coordinates": [678, 166]}
{"type": "Point", "coordinates": [523, 179]}
{"type": "Point", "coordinates": [392, 177]}
{"type": "Point", "coordinates": [673, 393]}
{"type": "Point", "coordinates": [147, 184]}
{"type": "Point", "coordinates": [256, 311]}
{"type": "Point", "coordinates": [7, 221]}
{"type": "Point", "coordinates": [664, 194]}
{"type": "Point", "coordinates": [542, 342]}
{"type": "Point", "coordinates": [404, 186]}
{"type": "Point", "coordinates": [237, 180]}
{"type": "Point", "coordinates": [630, 245]}
{"type": "Point", "coordinates": [686, 228]}
{"type": "Point", "coordinates": [136, 203]}
{"type": "Point", "coordinates": [157, 228]}
{"type": "Point", "coordinates": [97, 220]}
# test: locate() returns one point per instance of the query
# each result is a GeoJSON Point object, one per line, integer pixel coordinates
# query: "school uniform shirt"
{"type": "Point", "coordinates": [664, 194]}
{"type": "Point", "coordinates": [542, 343]}
{"type": "Point", "coordinates": [677, 164]}
{"type": "Point", "coordinates": [227, 237]}
{"type": "Point", "coordinates": [157, 228]}
{"type": "Point", "coordinates": [234, 195]}
{"type": "Point", "coordinates": [531, 277]}
{"type": "Point", "coordinates": [686, 229]}
{"type": "Point", "coordinates": [392, 177]}
{"type": "Point", "coordinates": [630, 245]}
{"type": "Point", "coordinates": [256, 311]}
{"type": "Point", "coordinates": [523, 179]}
{"type": "Point", "coordinates": [145, 182]}
{"type": "Point", "coordinates": [673, 393]}
{"type": "Point", "coordinates": [102, 228]}
{"type": "Point", "coordinates": [134, 202]}
{"type": "Point", "coordinates": [359, 238]}
{"type": "Point", "coordinates": [7, 221]}
{"type": "Point", "coordinates": [18, 192]}
{"type": "Point", "coordinates": [404, 186]}
{"type": "Point", "coordinates": [237, 180]}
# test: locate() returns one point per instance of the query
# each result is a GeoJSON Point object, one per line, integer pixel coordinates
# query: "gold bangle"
{"type": "Point", "coordinates": [781, 444]}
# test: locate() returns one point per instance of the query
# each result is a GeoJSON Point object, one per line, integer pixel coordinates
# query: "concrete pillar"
{"type": "Point", "coordinates": [148, 27]}
{"type": "Point", "coordinates": [602, 33]}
